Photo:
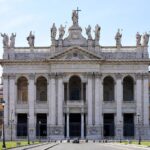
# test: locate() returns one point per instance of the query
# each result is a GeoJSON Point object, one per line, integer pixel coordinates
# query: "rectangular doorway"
{"type": "Point", "coordinates": [41, 125]}
{"type": "Point", "coordinates": [22, 125]}
{"type": "Point", "coordinates": [128, 125]}
{"type": "Point", "coordinates": [109, 127]}
{"type": "Point", "coordinates": [75, 125]}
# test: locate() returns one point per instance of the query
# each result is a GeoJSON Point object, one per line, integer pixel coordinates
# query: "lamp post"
{"type": "Point", "coordinates": [138, 119]}
{"type": "Point", "coordinates": [3, 105]}
{"type": "Point", "coordinates": [11, 122]}
{"type": "Point", "coordinates": [120, 130]}
{"type": "Point", "coordinates": [39, 131]}
{"type": "Point", "coordinates": [28, 131]}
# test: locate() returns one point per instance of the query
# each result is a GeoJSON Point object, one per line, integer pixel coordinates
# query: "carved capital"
{"type": "Point", "coordinates": [5, 76]}
{"type": "Point", "coordinates": [31, 76]}
{"type": "Point", "coordinates": [52, 75]}
{"type": "Point", "coordinates": [84, 75]}
{"type": "Point", "coordinates": [12, 76]}
{"type": "Point", "coordinates": [138, 76]}
{"type": "Point", "coordinates": [90, 74]}
{"type": "Point", "coordinates": [60, 75]}
{"type": "Point", "coordinates": [145, 75]}
{"type": "Point", "coordinates": [98, 75]}
{"type": "Point", "coordinates": [118, 76]}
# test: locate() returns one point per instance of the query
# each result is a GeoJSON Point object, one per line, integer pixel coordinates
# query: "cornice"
{"type": "Point", "coordinates": [57, 61]}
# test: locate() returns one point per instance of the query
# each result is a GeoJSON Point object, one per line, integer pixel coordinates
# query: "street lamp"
{"type": "Point", "coordinates": [11, 122]}
{"type": "Point", "coordinates": [39, 131]}
{"type": "Point", "coordinates": [138, 119]}
{"type": "Point", "coordinates": [28, 131]}
{"type": "Point", "coordinates": [120, 130]}
{"type": "Point", "coordinates": [3, 105]}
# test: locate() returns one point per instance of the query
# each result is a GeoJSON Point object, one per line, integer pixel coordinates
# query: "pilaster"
{"type": "Point", "coordinates": [60, 104]}
{"type": "Point", "coordinates": [53, 99]}
{"type": "Point", "coordinates": [146, 99]}
{"type": "Point", "coordinates": [139, 94]}
{"type": "Point", "coordinates": [82, 125]}
{"type": "Point", "coordinates": [31, 99]}
{"type": "Point", "coordinates": [89, 98]}
{"type": "Point", "coordinates": [68, 125]}
{"type": "Point", "coordinates": [97, 98]}
{"type": "Point", "coordinates": [12, 99]}
{"type": "Point", "coordinates": [93, 131]}
{"type": "Point", "coordinates": [119, 98]}
{"type": "Point", "coordinates": [60, 99]}
{"type": "Point", "coordinates": [6, 96]}
{"type": "Point", "coordinates": [6, 108]}
{"type": "Point", "coordinates": [49, 100]}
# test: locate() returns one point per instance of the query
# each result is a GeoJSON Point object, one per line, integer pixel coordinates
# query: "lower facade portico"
{"type": "Point", "coordinates": [89, 118]}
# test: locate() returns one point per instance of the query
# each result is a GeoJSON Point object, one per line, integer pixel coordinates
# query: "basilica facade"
{"type": "Point", "coordinates": [76, 87]}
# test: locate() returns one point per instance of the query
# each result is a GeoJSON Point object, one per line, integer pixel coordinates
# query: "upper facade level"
{"type": "Point", "coordinates": [75, 46]}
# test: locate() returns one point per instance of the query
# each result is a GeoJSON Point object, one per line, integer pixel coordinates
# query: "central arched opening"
{"type": "Point", "coordinates": [108, 89]}
{"type": "Point", "coordinates": [75, 88]}
{"type": "Point", "coordinates": [128, 89]}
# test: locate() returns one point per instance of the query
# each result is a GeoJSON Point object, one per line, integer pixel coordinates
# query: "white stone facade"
{"type": "Point", "coordinates": [91, 63]}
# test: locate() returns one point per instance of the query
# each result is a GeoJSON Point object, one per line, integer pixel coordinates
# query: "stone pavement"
{"type": "Point", "coordinates": [83, 146]}
{"type": "Point", "coordinates": [96, 146]}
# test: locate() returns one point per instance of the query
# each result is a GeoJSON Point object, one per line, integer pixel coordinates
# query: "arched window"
{"type": "Point", "coordinates": [75, 88]}
{"type": "Point", "coordinates": [128, 89]}
{"type": "Point", "coordinates": [108, 89]}
{"type": "Point", "coordinates": [41, 89]}
{"type": "Point", "coordinates": [22, 90]}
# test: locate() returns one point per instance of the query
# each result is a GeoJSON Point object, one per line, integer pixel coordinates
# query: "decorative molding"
{"type": "Point", "coordinates": [31, 76]}
{"type": "Point", "coordinates": [5, 76]}
{"type": "Point", "coordinates": [97, 74]}
{"type": "Point", "coordinates": [138, 76]}
{"type": "Point", "coordinates": [60, 75]}
{"type": "Point", "coordinates": [118, 76]}
{"type": "Point", "coordinates": [52, 75]}
{"type": "Point", "coordinates": [12, 76]}
{"type": "Point", "coordinates": [145, 75]}
{"type": "Point", "coordinates": [81, 61]}
{"type": "Point", "coordinates": [90, 74]}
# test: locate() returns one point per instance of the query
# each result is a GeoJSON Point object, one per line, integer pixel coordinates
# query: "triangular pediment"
{"type": "Point", "coordinates": [76, 53]}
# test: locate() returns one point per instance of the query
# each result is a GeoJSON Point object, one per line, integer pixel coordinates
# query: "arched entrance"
{"type": "Point", "coordinates": [75, 88]}
{"type": "Point", "coordinates": [75, 120]}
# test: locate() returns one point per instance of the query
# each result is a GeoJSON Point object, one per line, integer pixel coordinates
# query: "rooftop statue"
{"type": "Point", "coordinates": [138, 39]}
{"type": "Point", "coordinates": [53, 32]}
{"type": "Point", "coordinates": [118, 38]}
{"type": "Point", "coordinates": [5, 40]}
{"type": "Point", "coordinates": [146, 39]}
{"type": "Point", "coordinates": [88, 32]}
{"type": "Point", "coordinates": [30, 39]}
{"type": "Point", "coordinates": [97, 32]}
{"type": "Point", "coordinates": [75, 17]}
{"type": "Point", "coordinates": [61, 32]}
{"type": "Point", "coordinates": [12, 40]}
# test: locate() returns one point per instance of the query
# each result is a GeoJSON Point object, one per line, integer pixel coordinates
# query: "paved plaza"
{"type": "Point", "coordinates": [83, 146]}
{"type": "Point", "coordinates": [95, 146]}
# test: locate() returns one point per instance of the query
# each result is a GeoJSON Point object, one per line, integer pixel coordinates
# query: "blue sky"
{"type": "Point", "coordinates": [22, 16]}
